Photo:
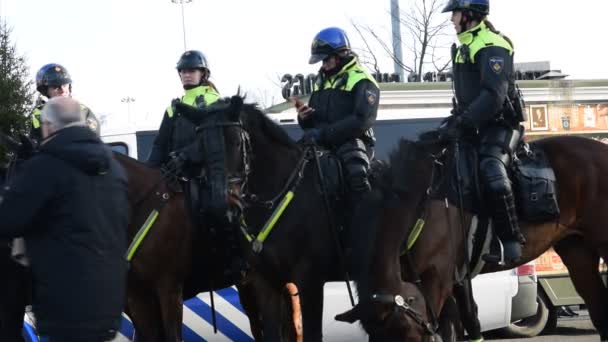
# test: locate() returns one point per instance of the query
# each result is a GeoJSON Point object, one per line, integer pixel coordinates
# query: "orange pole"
{"type": "Point", "coordinates": [292, 289]}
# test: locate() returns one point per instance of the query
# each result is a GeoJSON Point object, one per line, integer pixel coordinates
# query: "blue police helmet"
{"type": "Point", "coordinates": [51, 74]}
{"type": "Point", "coordinates": [327, 42]}
{"type": "Point", "coordinates": [479, 6]}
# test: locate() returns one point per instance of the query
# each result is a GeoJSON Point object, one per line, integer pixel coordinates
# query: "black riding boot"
{"type": "Point", "coordinates": [504, 220]}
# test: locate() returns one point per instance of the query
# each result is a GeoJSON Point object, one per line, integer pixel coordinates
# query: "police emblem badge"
{"type": "Point", "coordinates": [497, 64]}
{"type": "Point", "coordinates": [371, 97]}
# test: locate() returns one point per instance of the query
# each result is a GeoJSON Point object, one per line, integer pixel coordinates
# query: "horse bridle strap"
{"type": "Point", "coordinates": [145, 227]}
{"type": "Point", "coordinates": [287, 195]}
{"type": "Point", "coordinates": [400, 303]}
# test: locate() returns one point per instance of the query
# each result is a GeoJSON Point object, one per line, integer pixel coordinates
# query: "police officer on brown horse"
{"type": "Point", "coordinates": [342, 108]}
{"type": "Point", "coordinates": [483, 81]}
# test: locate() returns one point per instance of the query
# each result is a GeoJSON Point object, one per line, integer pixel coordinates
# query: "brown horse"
{"type": "Point", "coordinates": [300, 249]}
{"type": "Point", "coordinates": [401, 312]}
{"type": "Point", "coordinates": [170, 263]}
{"type": "Point", "coordinates": [167, 267]}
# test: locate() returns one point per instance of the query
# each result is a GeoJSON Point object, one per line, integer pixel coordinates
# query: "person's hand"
{"type": "Point", "coordinates": [311, 136]}
{"type": "Point", "coordinates": [303, 109]}
{"type": "Point", "coordinates": [454, 127]}
{"type": "Point", "coordinates": [176, 161]}
{"type": "Point", "coordinates": [27, 147]}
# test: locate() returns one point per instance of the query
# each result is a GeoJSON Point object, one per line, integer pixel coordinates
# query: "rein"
{"type": "Point", "coordinates": [285, 196]}
{"type": "Point", "coordinates": [430, 328]}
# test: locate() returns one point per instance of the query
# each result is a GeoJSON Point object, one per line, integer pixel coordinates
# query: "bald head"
{"type": "Point", "coordinates": [59, 113]}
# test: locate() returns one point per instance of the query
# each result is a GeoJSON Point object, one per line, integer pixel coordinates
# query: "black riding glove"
{"type": "Point", "coordinates": [311, 136]}
{"type": "Point", "coordinates": [175, 163]}
{"type": "Point", "coordinates": [27, 147]}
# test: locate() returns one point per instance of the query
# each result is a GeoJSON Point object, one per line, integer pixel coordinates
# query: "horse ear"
{"type": "Point", "coordinates": [236, 104]}
{"type": "Point", "coordinates": [350, 316]}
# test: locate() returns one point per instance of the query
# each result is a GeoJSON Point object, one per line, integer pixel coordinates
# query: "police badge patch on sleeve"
{"type": "Point", "coordinates": [497, 64]}
{"type": "Point", "coordinates": [371, 97]}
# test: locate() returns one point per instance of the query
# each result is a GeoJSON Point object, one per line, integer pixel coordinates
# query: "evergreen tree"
{"type": "Point", "coordinates": [16, 90]}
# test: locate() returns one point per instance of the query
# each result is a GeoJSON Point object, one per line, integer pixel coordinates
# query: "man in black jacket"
{"type": "Point", "coordinates": [70, 203]}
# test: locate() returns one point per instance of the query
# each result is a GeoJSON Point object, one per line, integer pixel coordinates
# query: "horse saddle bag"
{"type": "Point", "coordinates": [535, 185]}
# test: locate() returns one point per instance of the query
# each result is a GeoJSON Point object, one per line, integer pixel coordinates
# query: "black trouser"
{"type": "Point", "coordinates": [355, 156]}
{"type": "Point", "coordinates": [13, 295]}
{"type": "Point", "coordinates": [496, 147]}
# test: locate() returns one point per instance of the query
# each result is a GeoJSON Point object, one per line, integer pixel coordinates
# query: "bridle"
{"type": "Point", "coordinates": [431, 326]}
{"type": "Point", "coordinates": [239, 177]}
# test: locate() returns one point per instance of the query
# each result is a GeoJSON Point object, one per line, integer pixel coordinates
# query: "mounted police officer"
{"type": "Point", "coordinates": [53, 80]}
{"type": "Point", "coordinates": [342, 108]}
{"type": "Point", "coordinates": [176, 133]}
{"type": "Point", "coordinates": [483, 83]}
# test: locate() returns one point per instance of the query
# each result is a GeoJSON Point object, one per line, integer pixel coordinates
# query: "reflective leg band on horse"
{"type": "Point", "coordinates": [259, 240]}
{"type": "Point", "coordinates": [477, 340]}
{"type": "Point", "coordinates": [292, 289]}
{"type": "Point", "coordinates": [141, 234]}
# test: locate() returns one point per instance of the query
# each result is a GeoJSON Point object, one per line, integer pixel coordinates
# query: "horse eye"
{"type": "Point", "coordinates": [410, 300]}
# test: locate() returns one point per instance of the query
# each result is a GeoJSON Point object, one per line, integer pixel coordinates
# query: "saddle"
{"type": "Point", "coordinates": [533, 179]}
{"type": "Point", "coordinates": [534, 187]}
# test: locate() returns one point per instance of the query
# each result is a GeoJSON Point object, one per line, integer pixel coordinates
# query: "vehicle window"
{"type": "Point", "coordinates": [145, 139]}
{"type": "Point", "coordinates": [387, 132]}
{"type": "Point", "coordinates": [119, 147]}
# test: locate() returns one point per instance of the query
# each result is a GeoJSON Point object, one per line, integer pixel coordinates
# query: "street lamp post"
{"type": "Point", "coordinates": [182, 2]}
{"type": "Point", "coordinates": [128, 100]}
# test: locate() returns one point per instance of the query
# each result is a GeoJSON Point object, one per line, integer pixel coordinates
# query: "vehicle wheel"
{"type": "Point", "coordinates": [534, 325]}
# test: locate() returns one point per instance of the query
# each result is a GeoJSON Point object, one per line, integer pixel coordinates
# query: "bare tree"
{"type": "Point", "coordinates": [366, 56]}
{"type": "Point", "coordinates": [425, 42]}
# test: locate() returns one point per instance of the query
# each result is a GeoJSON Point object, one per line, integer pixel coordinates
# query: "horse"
{"type": "Point", "coordinates": [401, 311]}
{"type": "Point", "coordinates": [169, 265]}
{"type": "Point", "coordinates": [301, 247]}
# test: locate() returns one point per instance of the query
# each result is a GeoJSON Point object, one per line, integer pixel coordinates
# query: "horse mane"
{"type": "Point", "coordinates": [395, 180]}
{"type": "Point", "coordinates": [256, 118]}
{"type": "Point", "coordinates": [121, 157]}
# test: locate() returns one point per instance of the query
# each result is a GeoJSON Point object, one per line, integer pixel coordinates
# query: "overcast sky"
{"type": "Point", "coordinates": [119, 48]}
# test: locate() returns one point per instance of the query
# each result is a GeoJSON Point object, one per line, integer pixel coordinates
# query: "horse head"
{"type": "Point", "coordinates": [224, 148]}
{"type": "Point", "coordinates": [402, 316]}
{"type": "Point", "coordinates": [392, 303]}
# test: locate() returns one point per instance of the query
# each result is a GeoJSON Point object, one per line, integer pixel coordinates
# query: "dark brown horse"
{"type": "Point", "coordinates": [171, 262]}
{"type": "Point", "coordinates": [168, 266]}
{"type": "Point", "coordinates": [579, 237]}
{"type": "Point", "coordinates": [300, 248]}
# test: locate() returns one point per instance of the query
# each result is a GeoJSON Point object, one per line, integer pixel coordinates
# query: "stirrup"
{"type": "Point", "coordinates": [495, 259]}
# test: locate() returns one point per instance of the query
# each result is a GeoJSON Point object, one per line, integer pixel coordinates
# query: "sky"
{"type": "Point", "coordinates": [128, 48]}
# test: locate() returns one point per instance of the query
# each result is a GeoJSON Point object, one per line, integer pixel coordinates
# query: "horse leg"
{"type": "Point", "coordinates": [144, 310]}
{"type": "Point", "coordinates": [170, 297]}
{"type": "Point", "coordinates": [247, 297]}
{"type": "Point", "coordinates": [311, 297]}
{"type": "Point", "coordinates": [450, 326]}
{"type": "Point", "coordinates": [269, 300]}
{"type": "Point", "coordinates": [468, 310]}
{"type": "Point", "coordinates": [583, 263]}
